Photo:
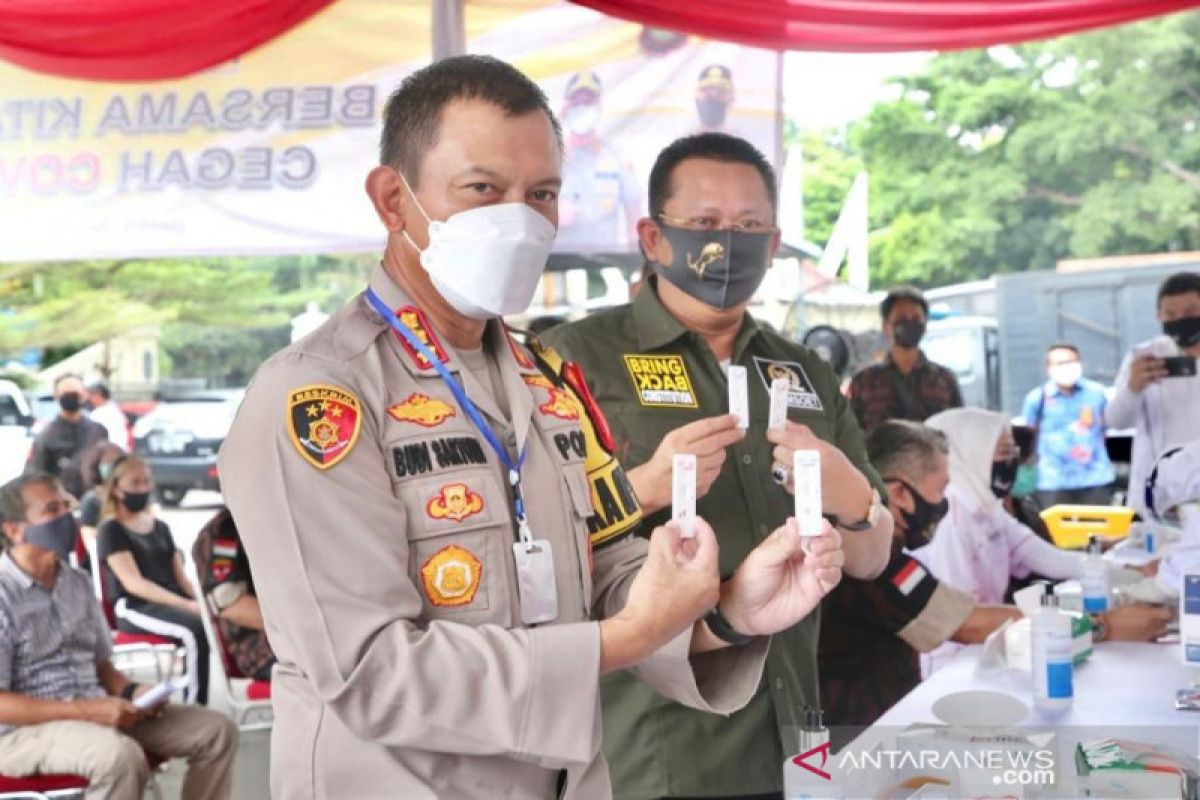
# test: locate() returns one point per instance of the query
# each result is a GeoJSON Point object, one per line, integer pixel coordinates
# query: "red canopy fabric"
{"type": "Point", "coordinates": [882, 25]}
{"type": "Point", "coordinates": [137, 40]}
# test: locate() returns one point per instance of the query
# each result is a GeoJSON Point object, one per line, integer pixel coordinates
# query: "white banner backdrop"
{"type": "Point", "coordinates": [267, 154]}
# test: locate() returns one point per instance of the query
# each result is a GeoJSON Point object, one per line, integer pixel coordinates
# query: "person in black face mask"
{"type": "Point", "coordinates": [873, 631]}
{"type": "Point", "coordinates": [1157, 390]}
{"type": "Point", "coordinates": [145, 572]}
{"type": "Point", "coordinates": [59, 449]}
{"type": "Point", "coordinates": [661, 367]}
{"type": "Point", "coordinates": [906, 384]}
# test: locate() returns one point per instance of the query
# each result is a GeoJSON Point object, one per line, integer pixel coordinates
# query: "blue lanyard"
{"type": "Point", "coordinates": [460, 394]}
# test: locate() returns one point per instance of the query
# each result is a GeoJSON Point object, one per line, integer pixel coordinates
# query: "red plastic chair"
{"type": "Point", "coordinates": [132, 650]}
{"type": "Point", "coordinates": [43, 787]}
{"type": "Point", "coordinates": [63, 787]}
{"type": "Point", "coordinates": [249, 699]}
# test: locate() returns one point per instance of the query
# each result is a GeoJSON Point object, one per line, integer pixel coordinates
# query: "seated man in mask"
{"type": "Point", "coordinates": [979, 547]}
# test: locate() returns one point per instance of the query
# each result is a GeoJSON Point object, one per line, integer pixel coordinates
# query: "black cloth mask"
{"type": "Point", "coordinates": [920, 523]}
{"type": "Point", "coordinates": [1185, 332]}
{"type": "Point", "coordinates": [908, 332]}
{"type": "Point", "coordinates": [1004, 475]}
{"type": "Point", "coordinates": [58, 534]}
{"type": "Point", "coordinates": [136, 501]}
{"type": "Point", "coordinates": [70, 402]}
{"type": "Point", "coordinates": [721, 269]}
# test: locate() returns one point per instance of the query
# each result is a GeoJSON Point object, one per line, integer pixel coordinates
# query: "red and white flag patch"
{"type": "Point", "coordinates": [909, 577]}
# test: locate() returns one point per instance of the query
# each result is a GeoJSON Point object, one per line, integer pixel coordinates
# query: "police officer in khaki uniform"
{"type": "Point", "coordinates": [419, 497]}
{"type": "Point", "coordinates": [658, 369]}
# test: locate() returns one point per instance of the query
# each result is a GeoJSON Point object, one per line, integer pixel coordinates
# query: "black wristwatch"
{"type": "Point", "coordinates": [723, 630]}
{"type": "Point", "coordinates": [129, 690]}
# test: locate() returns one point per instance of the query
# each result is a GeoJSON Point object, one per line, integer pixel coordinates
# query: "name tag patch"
{"type": "Point", "coordinates": [661, 381]}
{"type": "Point", "coordinates": [801, 393]}
{"type": "Point", "coordinates": [420, 458]}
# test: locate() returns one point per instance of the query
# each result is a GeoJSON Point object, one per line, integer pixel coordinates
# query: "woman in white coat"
{"type": "Point", "coordinates": [978, 546]}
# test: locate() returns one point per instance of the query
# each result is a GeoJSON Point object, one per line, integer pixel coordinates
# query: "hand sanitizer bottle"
{"type": "Point", "coordinates": [810, 774]}
{"type": "Point", "coordinates": [1053, 688]}
{"type": "Point", "coordinates": [1095, 580]}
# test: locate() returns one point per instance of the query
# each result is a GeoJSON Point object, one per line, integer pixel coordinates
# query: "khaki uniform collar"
{"type": "Point", "coordinates": [656, 327]}
{"type": "Point", "coordinates": [514, 361]}
{"type": "Point", "coordinates": [397, 300]}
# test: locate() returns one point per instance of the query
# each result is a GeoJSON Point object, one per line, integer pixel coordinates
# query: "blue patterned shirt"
{"type": "Point", "coordinates": [1071, 449]}
{"type": "Point", "coordinates": [50, 639]}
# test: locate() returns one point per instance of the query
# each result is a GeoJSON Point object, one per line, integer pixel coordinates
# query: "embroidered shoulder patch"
{"type": "Point", "coordinates": [423, 410]}
{"type": "Point", "coordinates": [451, 576]}
{"type": "Point", "coordinates": [323, 423]}
{"type": "Point", "coordinates": [661, 381]}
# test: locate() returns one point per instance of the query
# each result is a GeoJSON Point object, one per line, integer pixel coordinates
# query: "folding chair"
{"type": "Point", "coordinates": [64, 787]}
{"type": "Point", "coordinates": [43, 787]}
{"type": "Point", "coordinates": [249, 699]}
{"type": "Point", "coordinates": [130, 650]}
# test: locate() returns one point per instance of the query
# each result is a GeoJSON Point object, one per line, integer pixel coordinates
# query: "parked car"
{"type": "Point", "coordinates": [180, 438]}
{"type": "Point", "coordinates": [45, 409]}
{"type": "Point", "coordinates": [16, 417]}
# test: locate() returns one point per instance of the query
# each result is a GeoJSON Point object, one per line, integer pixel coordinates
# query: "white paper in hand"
{"type": "Point", "coordinates": [160, 692]}
{"type": "Point", "coordinates": [739, 397]}
{"type": "Point", "coordinates": [777, 418]}
{"type": "Point", "coordinates": [806, 481]}
{"type": "Point", "coordinates": [683, 493]}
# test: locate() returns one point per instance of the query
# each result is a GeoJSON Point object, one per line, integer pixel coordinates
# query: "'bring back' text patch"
{"type": "Point", "coordinates": [661, 381]}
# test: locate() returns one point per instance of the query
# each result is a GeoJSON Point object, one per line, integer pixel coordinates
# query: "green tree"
{"type": "Point", "coordinates": [64, 306]}
{"type": "Point", "coordinates": [1011, 158]}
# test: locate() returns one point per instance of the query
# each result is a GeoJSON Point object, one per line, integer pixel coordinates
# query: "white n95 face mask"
{"type": "Point", "coordinates": [487, 261]}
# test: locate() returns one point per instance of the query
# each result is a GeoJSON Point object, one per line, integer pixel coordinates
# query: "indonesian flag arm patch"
{"type": "Point", "coordinates": [909, 585]}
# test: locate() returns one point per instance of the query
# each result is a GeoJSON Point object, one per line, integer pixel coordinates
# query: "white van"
{"type": "Point", "coordinates": [16, 417]}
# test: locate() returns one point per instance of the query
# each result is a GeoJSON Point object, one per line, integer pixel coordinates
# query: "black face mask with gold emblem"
{"type": "Point", "coordinates": [721, 268]}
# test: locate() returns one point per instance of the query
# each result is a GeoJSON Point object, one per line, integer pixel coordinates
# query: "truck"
{"type": "Point", "coordinates": [1103, 306]}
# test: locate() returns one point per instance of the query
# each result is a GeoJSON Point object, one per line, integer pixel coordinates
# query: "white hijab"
{"type": "Point", "coordinates": [972, 433]}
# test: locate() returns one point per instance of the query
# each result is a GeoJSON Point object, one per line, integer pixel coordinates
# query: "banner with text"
{"type": "Point", "coordinates": [267, 154]}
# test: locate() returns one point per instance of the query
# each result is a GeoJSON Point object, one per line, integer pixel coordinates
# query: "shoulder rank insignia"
{"type": "Point", "coordinates": [414, 319]}
{"type": "Point", "coordinates": [423, 410]}
{"type": "Point", "coordinates": [559, 403]}
{"type": "Point", "coordinates": [451, 576]}
{"type": "Point", "coordinates": [323, 423]}
{"type": "Point", "coordinates": [519, 353]}
{"type": "Point", "coordinates": [454, 501]}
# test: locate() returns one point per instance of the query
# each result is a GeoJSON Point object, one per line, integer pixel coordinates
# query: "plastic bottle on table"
{"type": "Point", "coordinates": [1095, 580]}
{"type": "Point", "coordinates": [1053, 666]}
{"type": "Point", "coordinates": [816, 781]}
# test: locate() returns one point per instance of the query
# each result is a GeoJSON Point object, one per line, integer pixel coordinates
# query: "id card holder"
{"type": "Point", "coordinates": [536, 586]}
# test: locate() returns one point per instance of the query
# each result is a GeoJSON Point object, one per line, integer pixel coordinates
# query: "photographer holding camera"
{"type": "Point", "coordinates": [1157, 389]}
